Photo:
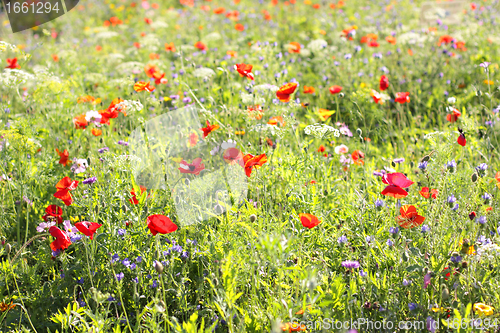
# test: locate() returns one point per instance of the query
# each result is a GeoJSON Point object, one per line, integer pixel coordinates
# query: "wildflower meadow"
{"type": "Point", "coordinates": [251, 166]}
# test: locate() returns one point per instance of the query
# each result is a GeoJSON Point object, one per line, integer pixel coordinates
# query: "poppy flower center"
{"type": "Point", "coordinates": [192, 167]}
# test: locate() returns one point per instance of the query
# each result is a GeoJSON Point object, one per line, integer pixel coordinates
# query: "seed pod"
{"type": "Point", "coordinates": [8, 248]}
{"type": "Point", "coordinates": [474, 177]}
{"type": "Point", "coordinates": [445, 293]}
{"type": "Point", "coordinates": [158, 267]}
{"type": "Point", "coordinates": [253, 218]}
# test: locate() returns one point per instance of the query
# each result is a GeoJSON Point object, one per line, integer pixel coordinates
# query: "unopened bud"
{"type": "Point", "coordinates": [158, 267]}
{"type": "Point", "coordinates": [8, 248]}
{"type": "Point", "coordinates": [445, 293]}
{"type": "Point", "coordinates": [253, 218]}
{"type": "Point", "coordinates": [464, 264]}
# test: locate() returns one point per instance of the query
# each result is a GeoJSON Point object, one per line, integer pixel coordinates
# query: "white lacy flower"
{"type": "Point", "coordinates": [4, 46]}
{"type": "Point", "coordinates": [129, 106]}
{"type": "Point", "coordinates": [452, 100]}
{"type": "Point", "coordinates": [266, 87]}
{"type": "Point", "coordinates": [203, 72]}
{"type": "Point", "coordinates": [317, 45]}
{"type": "Point", "coordinates": [251, 99]}
{"type": "Point", "coordinates": [487, 252]}
{"type": "Point", "coordinates": [212, 37]}
{"type": "Point", "coordinates": [321, 130]}
{"type": "Point", "coordinates": [15, 77]}
{"type": "Point", "coordinates": [228, 144]}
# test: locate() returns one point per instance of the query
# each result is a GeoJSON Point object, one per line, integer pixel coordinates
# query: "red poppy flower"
{"type": "Point", "coordinates": [193, 168]}
{"type": "Point", "coordinates": [244, 70]}
{"type": "Point", "coordinates": [141, 86]}
{"type": "Point", "coordinates": [390, 40]}
{"type": "Point", "coordinates": [373, 43]}
{"type": "Point", "coordinates": [159, 78]}
{"type": "Point", "coordinates": [88, 228]}
{"type": "Point", "coordinates": [12, 63]}
{"type": "Point", "coordinates": [427, 193]}
{"type": "Point", "coordinates": [309, 221]}
{"type": "Point", "coordinates": [447, 272]}
{"type": "Point", "coordinates": [160, 224]}
{"type": "Point", "coordinates": [200, 46]}
{"type": "Point", "coordinates": [62, 241]}
{"type": "Point", "coordinates": [384, 83]}
{"type": "Point", "coordinates": [111, 112]}
{"type": "Point", "coordinates": [63, 157]}
{"type": "Point", "coordinates": [446, 39]}
{"type": "Point", "coordinates": [321, 149]}
{"type": "Point", "coordinates": [294, 47]}
{"type": "Point", "coordinates": [403, 97]}
{"type": "Point", "coordinates": [453, 116]}
{"type": "Point", "coordinates": [54, 212]}
{"type": "Point", "coordinates": [461, 140]}
{"type": "Point", "coordinates": [80, 122]}
{"type": "Point", "coordinates": [96, 132]}
{"type": "Point", "coordinates": [207, 130]}
{"type": "Point", "coordinates": [409, 217]}
{"type": "Point", "coordinates": [309, 90]}
{"type": "Point", "coordinates": [276, 120]}
{"type": "Point", "coordinates": [233, 156]}
{"type": "Point", "coordinates": [134, 200]}
{"type": "Point", "coordinates": [170, 47]}
{"type": "Point", "coordinates": [335, 89]}
{"type": "Point", "coordinates": [193, 139]}
{"type": "Point", "coordinates": [64, 186]}
{"type": "Point", "coordinates": [358, 156]}
{"type": "Point", "coordinates": [151, 70]}
{"type": "Point", "coordinates": [284, 93]}
{"type": "Point", "coordinates": [220, 10]}
{"type": "Point", "coordinates": [251, 161]}
{"type": "Point", "coordinates": [239, 27]}
{"type": "Point", "coordinates": [396, 182]}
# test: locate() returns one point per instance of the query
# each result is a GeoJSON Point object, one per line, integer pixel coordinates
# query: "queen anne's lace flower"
{"type": "Point", "coordinates": [321, 130]}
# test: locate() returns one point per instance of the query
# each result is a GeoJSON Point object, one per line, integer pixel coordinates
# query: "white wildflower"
{"type": "Point", "coordinates": [321, 130]}
{"type": "Point", "coordinates": [129, 106]}
{"type": "Point", "coordinates": [203, 72]}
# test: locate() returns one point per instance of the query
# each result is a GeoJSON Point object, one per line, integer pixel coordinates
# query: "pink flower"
{"type": "Point", "coordinates": [342, 149]}
{"type": "Point", "coordinates": [427, 280]}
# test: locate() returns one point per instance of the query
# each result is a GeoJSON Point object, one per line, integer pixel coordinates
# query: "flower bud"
{"type": "Point", "coordinates": [445, 293]}
{"type": "Point", "coordinates": [8, 248]}
{"type": "Point", "coordinates": [474, 177]}
{"type": "Point", "coordinates": [465, 264]}
{"type": "Point", "coordinates": [253, 218]}
{"type": "Point", "coordinates": [472, 216]}
{"type": "Point", "coordinates": [158, 267]}
{"type": "Point", "coordinates": [341, 95]}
